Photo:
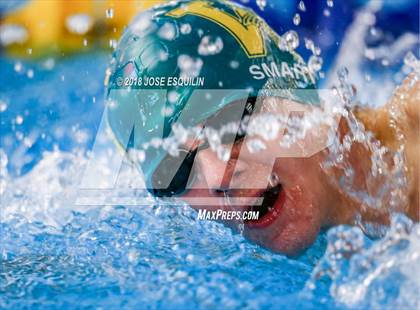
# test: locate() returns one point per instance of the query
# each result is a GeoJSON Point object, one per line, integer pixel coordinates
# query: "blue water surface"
{"type": "Point", "coordinates": [137, 257]}
{"type": "Point", "coordinates": [56, 256]}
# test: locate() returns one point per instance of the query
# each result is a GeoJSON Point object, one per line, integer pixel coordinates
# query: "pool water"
{"type": "Point", "coordinates": [55, 254]}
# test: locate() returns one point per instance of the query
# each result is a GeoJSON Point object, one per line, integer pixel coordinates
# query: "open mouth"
{"type": "Point", "coordinates": [269, 210]}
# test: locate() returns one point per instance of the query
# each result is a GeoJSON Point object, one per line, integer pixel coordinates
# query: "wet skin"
{"type": "Point", "coordinates": [306, 199]}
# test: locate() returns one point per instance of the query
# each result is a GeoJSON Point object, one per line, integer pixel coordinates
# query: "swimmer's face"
{"type": "Point", "coordinates": [292, 212]}
{"type": "Point", "coordinates": [292, 194]}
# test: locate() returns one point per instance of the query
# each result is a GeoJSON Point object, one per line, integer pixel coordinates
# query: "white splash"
{"type": "Point", "coordinates": [11, 34]}
{"type": "Point", "coordinates": [190, 67]}
{"type": "Point", "coordinates": [79, 23]}
{"type": "Point", "coordinates": [168, 31]}
{"type": "Point", "coordinates": [363, 275]}
{"type": "Point", "coordinates": [210, 46]}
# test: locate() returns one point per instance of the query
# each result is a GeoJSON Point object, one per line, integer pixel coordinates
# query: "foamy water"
{"type": "Point", "coordinates": [160, 254]}
{"type": "Point", "coordinates": [53, 249]}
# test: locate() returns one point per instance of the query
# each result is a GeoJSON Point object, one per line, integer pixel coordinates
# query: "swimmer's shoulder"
{"type": "Point", "coordinates": [406, 100]}
{"type": "Point", "coordinates": [400, 116]}
{"type": "Point", "coordinates": [408, 97]}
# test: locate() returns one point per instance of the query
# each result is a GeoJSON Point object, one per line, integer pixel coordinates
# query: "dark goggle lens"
{"type": "Point", "coordinates": [185, 160]}
{"type": "Point", "coordinates": [179, 182]}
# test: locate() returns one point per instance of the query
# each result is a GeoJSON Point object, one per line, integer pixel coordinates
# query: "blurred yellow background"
{"type": "Point", "coordinates": [45, 27]}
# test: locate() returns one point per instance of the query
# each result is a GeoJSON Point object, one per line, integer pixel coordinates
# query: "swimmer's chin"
{"type": "Point", "coordinates": [295, 242]}
{"type": "Point", "coordinates": [292, 240]}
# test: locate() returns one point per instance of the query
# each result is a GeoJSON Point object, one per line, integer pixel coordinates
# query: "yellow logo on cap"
{"type": "Point", "coordinates": [245, 27]}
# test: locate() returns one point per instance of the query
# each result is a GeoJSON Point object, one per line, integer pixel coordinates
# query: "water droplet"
{"type": "Point", "coordinates": [283, 44]}
{"type": "Point", "coordinates": [241, 228]}
{"type": "Point", "coordinates": [79, 23]}
{"type": "Point", "coordinates": [190, 67]}
{"type": "Point", "coordinates": [133, 256]}
{"type": "Point", "coordinates": [111, 104]}
{"type": "Point", "coordinates": [255, 145]}
{"type": "Point", "coordinates": [223, 153]}
{"type": "Point", "coordinates": [186, 29]}
{"type": "Point", "coordinates": [309, 44]}
{"type": "Point", "coordinates": [208, 96]}
{"type": "Point", "coordinates": [210, 46]}
{"type": "Point", "coordinates": [109, 13]}
{"type": "Point", "coordinates": [327, 13]}
{"type": "Point", "coordinates": [302, 6]}
{"type": "Point", "coordinates": [3, 159]}
{"type": "Point", "coordinates": [173, 97]}
{"type": "Point", "coordinates": [373, 31]}
{"type": "Point", "coordinates": [410, 60]}
{"type": "Point", "coordinates": [234, 64]}
{"type": "Point", "coordinates": [49, 64]}
{"type": "Point", "coordinates": [370, 54]}
{"type": "Point", "coordinates": [19, 120]}
{"type": "Point", "coordinates": [136, 156]}
{"type": "Point", "coordinates": [167, 111]}
{"type": "Point", "coordinates": [30, 73]}
{"type": "Point", "coordinates": [330, 3]}
{"type": "Point", "coordinates": [292, 39]}
{"type": "Point", "coordinates": [167, 31]}
{"type": "Point", "coordinates": [156, 142]}
{"type": "Point", "coordinates": [315, 63]}
{"type": "Point", "coordinates": [113, 43]}
{"type": "Point", "coordinates": [3, 185]}
{"type": "Point", "coordinates": [385, 62]}
{"type": "Point", "coordinates": [262, 4]}
{"type": "Point", "coordinates": [80, 136]}
{"type": "Point", "coordinates": [163, 55]}
{"type": "Point", "coordinates": [3, 106]}
{"type": "Point", "coordinates": [18, 66]}
{"type": "Point", "coordinates": [11, 34]}
{"type": "Point", "coordinates": [296, 19]}
{"type": "Point", "coordinates": [343, 74]}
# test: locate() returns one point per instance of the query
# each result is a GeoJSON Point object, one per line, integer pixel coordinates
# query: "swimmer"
{"type": "Point", "coordinates": [238, 56]}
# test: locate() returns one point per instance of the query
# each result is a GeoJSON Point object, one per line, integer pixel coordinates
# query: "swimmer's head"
{"type": "Point", "coordinates": [206, 64]}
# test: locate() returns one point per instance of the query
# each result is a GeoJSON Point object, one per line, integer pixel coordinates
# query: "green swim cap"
{"type": "Point", "coordinates": [186, 60]}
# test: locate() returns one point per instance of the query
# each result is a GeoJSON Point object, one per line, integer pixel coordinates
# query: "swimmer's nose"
{"type": "Point", "coordinates": [219, 175]}
{"type": "Point", "coordinates": [213, 170]}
